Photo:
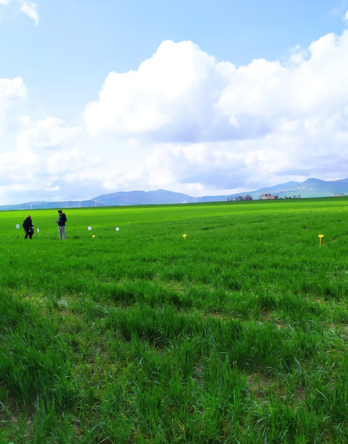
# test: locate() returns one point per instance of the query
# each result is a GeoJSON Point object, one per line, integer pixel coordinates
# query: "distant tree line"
{"type": "Point", "coordinates": [249, 197]}
{"type": "Point", "coordinates": [239, 198]}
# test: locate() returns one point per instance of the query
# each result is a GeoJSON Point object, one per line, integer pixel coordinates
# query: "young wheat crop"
{"type": "Point", "coordinates": [236, 333]}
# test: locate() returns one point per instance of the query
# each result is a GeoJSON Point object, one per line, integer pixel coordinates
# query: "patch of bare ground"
{"type": "Point", "coordinates": [67, 314]}
{"type": "Point", "coordinates": [197, 373]}
{"type": "Point", "coordinates": [220, 316]}
{"type": "Point", "coordinates": [269, 317]}
{"type": "Point", "coordinates": [13, 415]}
{"type": "Point", "coordinates": [339, 326]}
{"type": "Point", "coordinates": [278, 323]}
{"type": "Point", "coordinates": [259, 384]}
{"type": "Point", "coordinates": [300, 393]}
{"type": "Point", "coordinates": [341, 329]}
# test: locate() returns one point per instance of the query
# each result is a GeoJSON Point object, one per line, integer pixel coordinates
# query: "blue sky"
{"type": "Point", "coordinates": [213, 127]}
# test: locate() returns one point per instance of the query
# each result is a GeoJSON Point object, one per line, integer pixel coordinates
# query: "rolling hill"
{"type": "Point", "coordinates": [309, 188]}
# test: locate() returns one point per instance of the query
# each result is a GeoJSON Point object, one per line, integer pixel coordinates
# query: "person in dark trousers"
{"type": "Point", "coordinates": [61, 224]}
{"type": "Point", "coordinates": [28, 227]}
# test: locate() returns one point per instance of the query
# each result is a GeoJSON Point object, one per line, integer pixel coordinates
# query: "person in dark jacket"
{"type": "Point", "coordinates": [61, 224]}
{"type": "Point", "coordinates": [28, 227]}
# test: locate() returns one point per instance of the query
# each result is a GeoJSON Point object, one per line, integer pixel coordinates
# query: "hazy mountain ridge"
{"type": "Point", "coordinates": [309, 188]}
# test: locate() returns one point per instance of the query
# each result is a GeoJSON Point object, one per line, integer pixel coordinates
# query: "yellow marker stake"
{"type": "Point", "coordinates": [184, 236]}
{"type": "Point", "coordinates": [93, 235]}
{"type": "Point", "coordinates": [320, 237]}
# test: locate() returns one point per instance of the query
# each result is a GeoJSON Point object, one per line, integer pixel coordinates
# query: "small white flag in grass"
{"type": "Point", "coordinates": [38, 230]}
{"type": "Point", "coordinates": [17, 226]}
{"type": "Point", "coordinates": [117, 229]}
{"type": "Point", "coordinates": [89, 228]}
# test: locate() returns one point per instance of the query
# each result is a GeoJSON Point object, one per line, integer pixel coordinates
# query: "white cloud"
{"type": "Point", "coordinates": [13, 95]}
{"type": "Point", "coordinates": [296, 151]}
{"type": "Point", "coordinates": [36, 147]}
{"type": "Point", "coordinates": [185, 122]}
{"type": "Point", "coordinates": [169, 97]}
{"type": "Point", "coordinates": [346, 16]}
{"type": "Point", "coordinates": [47, 134]}
{"type": "Point", "coordinates": [182, 94]}
{"type": "Point", "coordinates": [44, 158]}
{"type": "Point", "coordinates": [40, 158]}
{"type": "Point", "coordinates": [31, 10]}
{"type": "Point", "coordinates": [212, 125]}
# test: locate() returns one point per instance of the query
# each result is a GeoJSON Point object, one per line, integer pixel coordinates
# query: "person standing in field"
{"type": "Point", "coordinates": [61, 224]}
{"type": "Point", "coordinates": [28, 227]}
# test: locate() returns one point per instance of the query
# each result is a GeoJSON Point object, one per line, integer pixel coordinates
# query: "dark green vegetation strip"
{"type": "Point", "coordinates": [237, 333]}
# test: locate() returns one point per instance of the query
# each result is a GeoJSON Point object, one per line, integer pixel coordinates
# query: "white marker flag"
{"type": "Point", "coordinates": [89, 228]}
{"type": "Point", "coordinates": [38, 230]}
{"type": "Point", "coordinates": [117, 229]}
{"type": "Point", "coordinates": [17, 226]}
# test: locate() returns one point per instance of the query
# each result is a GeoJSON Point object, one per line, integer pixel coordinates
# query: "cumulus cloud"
{"type": "Point", "coordinates": [183, 94]}
{"type": "Point", "coordinates": [44, 135]}
{"type": "Point", "coordinates": [215, 125]}
{"type": "Point", "coordinates": [44, 158]}
{"type": "Point", "coordinates": [187, 122]}
{"type": "Point", "coordinates": [33, 160]}
{"type": "Point", "coordinates": [295, 151]}
{"type": "Point", "coordinates": [160, 99]}
{"type": "Point", "coordinates": [40, 158]}
{"type": "Point", "coordinates": [346, 16]}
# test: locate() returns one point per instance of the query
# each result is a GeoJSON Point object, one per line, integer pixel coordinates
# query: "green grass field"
{"type": "Point", "coordinates": [236, 334]}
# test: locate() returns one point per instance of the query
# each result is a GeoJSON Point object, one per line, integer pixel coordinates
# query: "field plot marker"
{"type": "Point", "coordinates": [17, 226]}
{"type": "Point", "coordinates": [117, 229]}
{"type": "Point", "coordinates": [320, 238]}
{"type": "Point", "coordinates": [184, 236]}
{"type": "Point", "coordinates": [93, 236]}
{"type": "Point", "coordinates": [89, 228]}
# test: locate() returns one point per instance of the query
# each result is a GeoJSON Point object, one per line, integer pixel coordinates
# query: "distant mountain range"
{"type": "Point", "coordinates": [308, 188]}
